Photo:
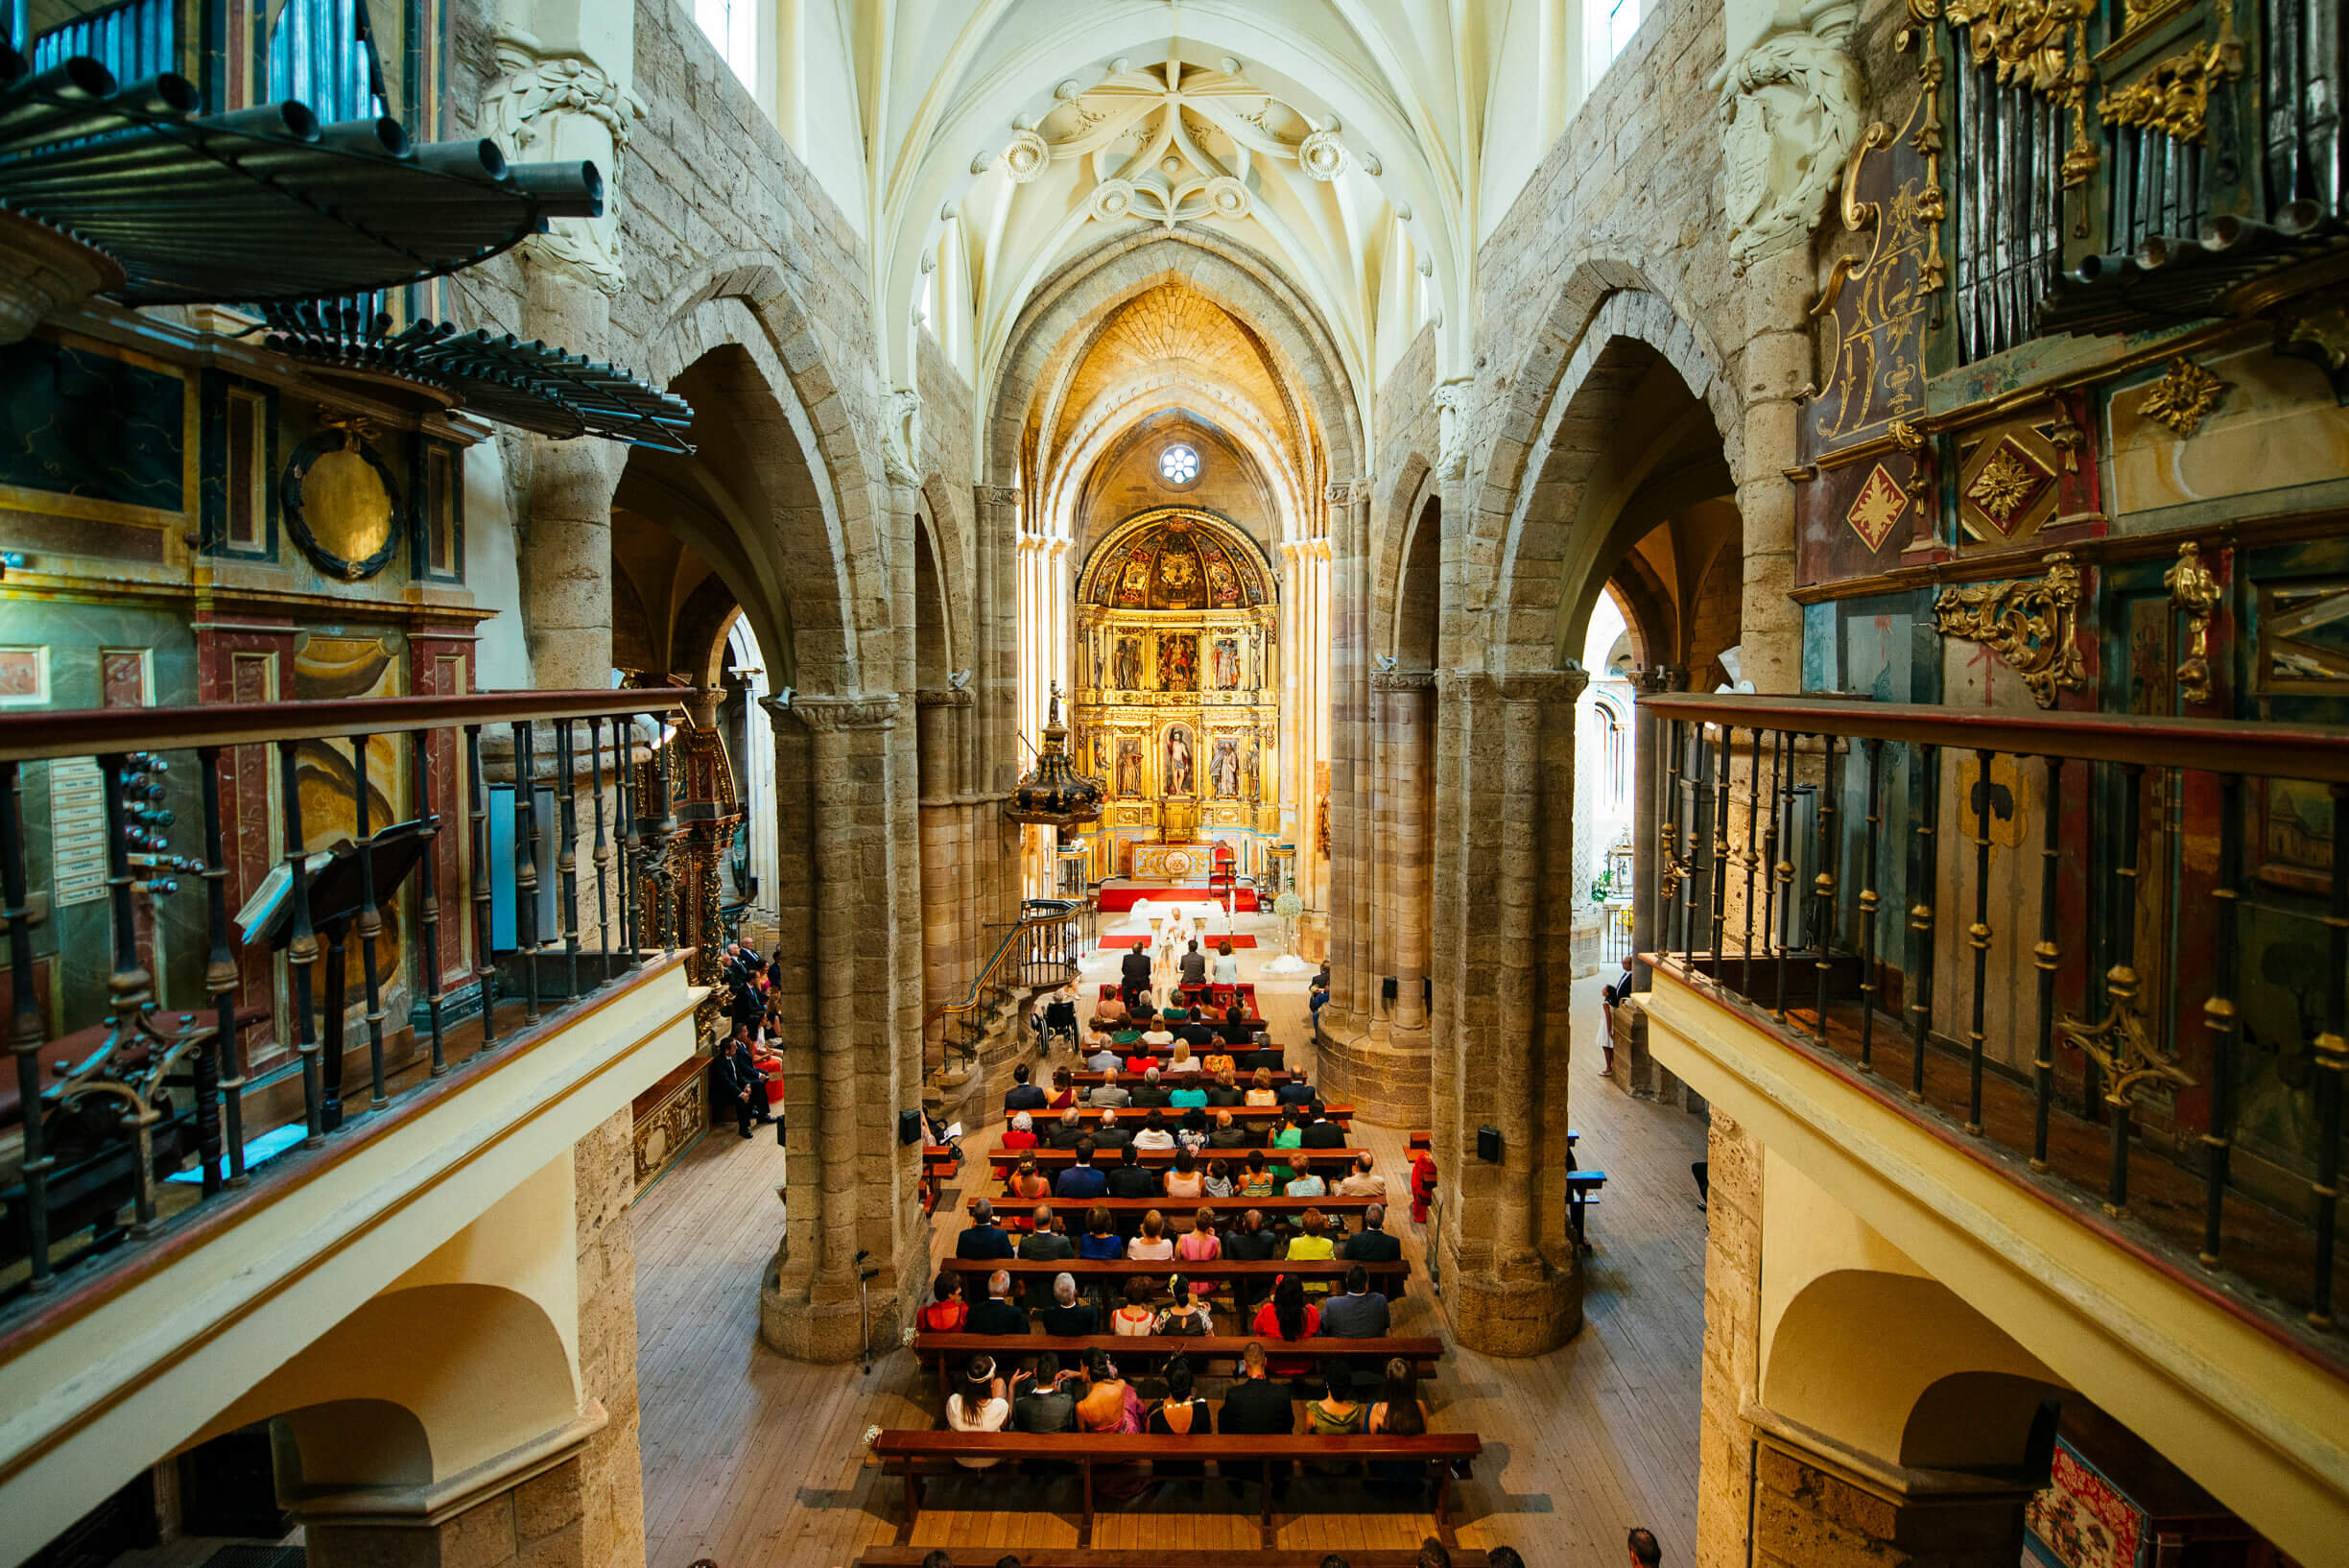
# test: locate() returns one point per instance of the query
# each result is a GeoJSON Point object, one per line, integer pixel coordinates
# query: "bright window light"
{"type": "Point", "coordinates": [730, 24]}
{"type": "Point", "coordinates": [1623, 19]}
{"type": "Point", "coordinates": [1179, 465]}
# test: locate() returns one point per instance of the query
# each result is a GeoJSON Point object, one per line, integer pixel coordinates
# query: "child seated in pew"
{"type": "Point", "coordinates": [1218, 1182]}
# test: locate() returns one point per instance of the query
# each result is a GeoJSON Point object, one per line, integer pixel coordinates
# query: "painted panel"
{"type": "Point", "coordinates": [95, 426]}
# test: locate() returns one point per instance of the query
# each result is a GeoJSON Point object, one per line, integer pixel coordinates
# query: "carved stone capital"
{"type": "Point", "coordinates": [1544, 685]}
{"type": "Point", "coordinates": [1660, 677]}
{"type": "Point", "coordinates": [1348, 492]}
{"type": "Point", "coordinates": [877, 711]}
{"type": "Point", "coordinates": [1791, 109]}
{"type": "Point", "coordinates": [1402, 680]}
{"type": "Point", "coordinates": [943, 696]}
{"type": "Point", "coordinates": [999, 495]}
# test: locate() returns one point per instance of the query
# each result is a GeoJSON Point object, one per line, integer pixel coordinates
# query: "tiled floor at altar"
{"type": "Point", "coordinates": [757, 1463]}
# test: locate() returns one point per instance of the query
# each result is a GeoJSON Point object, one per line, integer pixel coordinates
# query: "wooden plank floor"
{"type": "Point", "coordinates": [756, 1462]}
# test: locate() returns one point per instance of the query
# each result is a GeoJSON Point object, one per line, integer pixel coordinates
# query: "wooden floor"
{"type": "Point", "coordinates": [756, 1462]}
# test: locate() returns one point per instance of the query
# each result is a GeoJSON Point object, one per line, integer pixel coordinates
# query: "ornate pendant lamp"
{"type": "Point", "coordinates": [1055, 794]}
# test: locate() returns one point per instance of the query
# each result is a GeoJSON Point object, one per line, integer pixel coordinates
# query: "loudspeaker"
{"type": "Point", "coordinates": [908, 1127]}
{"type": "Point", "coordinates": [1386, 990]}
{"type": "Point", "coordinates": [1488, 1144]}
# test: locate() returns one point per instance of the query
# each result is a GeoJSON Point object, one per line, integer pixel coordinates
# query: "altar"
{"type": "Point", "coordinates": [1170, 863]}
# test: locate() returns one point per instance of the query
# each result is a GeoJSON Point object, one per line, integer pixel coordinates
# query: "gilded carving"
{"type": "Point", "coordinates": [1877, 509]}
{"type": "Point", "coordinates": [2042, 44]}
{"type": "Point", "coordinates": [1933, 203]}
{"type": "Point", "coordinates": [2195, 592]}
{"type": "Point", "coordinates": [2003, 487]}
{"type": "Point", "coordinates": [2185, 393]}
{"type": "Point", "coordinates": [2027, 621]}
{"type": "Point", "coordinates": [2120, 1045]}
{"type": "Point", "coordinates": [2172, 97]}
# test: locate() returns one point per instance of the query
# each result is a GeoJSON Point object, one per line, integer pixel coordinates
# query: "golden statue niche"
{"type": "Point", "coordinates": [1177, 706]}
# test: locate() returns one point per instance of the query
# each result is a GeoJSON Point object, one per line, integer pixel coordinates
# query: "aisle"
{"type": "Point", "coordinates": [756, 1462]}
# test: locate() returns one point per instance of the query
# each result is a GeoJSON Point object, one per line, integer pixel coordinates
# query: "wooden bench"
{"type": "Point", "coordinates": [1199, 1053]}
{"type": "Point", "coordinates": [1342, 1115]}
{"type": "Point", "coordinates": [1007, 1160]}
{"type": "Point", "coordinates": [1390, 1276]}
{"type": "Point", "coordinates": [1152, 1351]}
{"type": "Point", "coordinates": [1086, 1080]}
{"type": "Point", "coordinates": [1581, 1192]}
{"type": "Point", "coordinates": [911, 1453]}
{"type": "Point", "coordinates": [1179, 1211]}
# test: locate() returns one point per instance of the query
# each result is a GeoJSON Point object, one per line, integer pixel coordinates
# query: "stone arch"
{"type": "Point", "coordinates": [810, 458]}
{"type": "Point", "coordinates": [1410, 571]}
{"type": "Point", "coordinates": [944, 517]}
{"type": "Point", "coordinates": [1058, 321]}
{"type": "Point", "coordinates": [431, 1379]}
{"type": "Point", "coordinates": [1891, 1395]}
{"type": "Point", "coordinates": [1607, 328]}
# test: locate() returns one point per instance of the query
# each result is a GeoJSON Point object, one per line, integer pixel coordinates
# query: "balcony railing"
{"type": "Point", "coordinates": [2115, 946]}
{"type": "Point", "coordinates": [324, 869]}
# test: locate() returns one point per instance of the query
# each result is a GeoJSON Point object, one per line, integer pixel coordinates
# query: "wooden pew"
{"type": "Point", "coordinates": [1056, 1160]}
{"type": "Point", "coordinates": [1392, 1276]}
{"type": "Point", "coordinates": [1199, 1053]}
{"type": "Point", "coordinates": [1342, 1115]}
{"type": "Point", "coordinates": [911, 1453]}
{"type": "Point", "coordinates": [1086, 1080]}
{"type": "Point", "coordinates": [1179, 1211]}
{"type": "Point", "coordinates": [947, 1351]}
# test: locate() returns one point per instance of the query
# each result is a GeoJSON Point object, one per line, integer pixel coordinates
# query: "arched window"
{"type": "Point", "coordinates": [1612, 22]}
{"type": "Point", "coordinates": [1614, 757]}
{"type": "Point", "coordinates": [730, 25]}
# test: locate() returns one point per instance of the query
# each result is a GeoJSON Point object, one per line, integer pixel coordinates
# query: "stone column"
{"type": "Point", "coordinates": [1353, 954]}
{"type": "Point", "coordinates": [940, 711]}
{"type": "Point", "coordinates": [1383, 1070]}
{"type": "Point", "coordinates": [850, 1184]}
{"type": "Point", "coordinates": [1512, 1286]}
{"type": "Point", "coordinates": [1777, 366]}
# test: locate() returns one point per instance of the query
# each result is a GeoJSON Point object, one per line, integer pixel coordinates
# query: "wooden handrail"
{"type": "Point", "coordinates": [996, 960]}
{"type": "Point", "coordinates": [46, 734]}
{"type": "Point", "coordinates": [2220, 746]}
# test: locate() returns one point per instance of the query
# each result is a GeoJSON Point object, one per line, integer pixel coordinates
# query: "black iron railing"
{"type": "Point", "coordinates": [1038, 949]}
{"type": "Point", "coordinates": [332, 833]}
{"type": "Point", "coordinates": [2116, 945]}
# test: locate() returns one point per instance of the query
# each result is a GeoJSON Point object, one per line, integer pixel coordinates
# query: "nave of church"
{"type": "Point", "coordinates": [1174, 784]}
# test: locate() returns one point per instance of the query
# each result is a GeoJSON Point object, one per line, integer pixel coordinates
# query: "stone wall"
{"type": "Point", "coordinates": [1731, 1370]}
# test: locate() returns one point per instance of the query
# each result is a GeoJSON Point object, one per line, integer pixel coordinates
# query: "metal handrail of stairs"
{"type": "Point", "coordinates": [1038, 949]}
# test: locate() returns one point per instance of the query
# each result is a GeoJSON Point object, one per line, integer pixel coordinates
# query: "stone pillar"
{"type": "Point", "coordinates": [850, 1184]}
{"type": "Point", "coordinates": [566, 543]}
{"type": "Point", "coordinates": [1382, 1071]}
{"type": "Point", "coordinates": [1512, 1286]}
{"type": "Point", "coordinates": [1354, 967]}
{"type": "Point", "coordinates": [1777, 366]}
{"type": "Point", "coordinates": [1730, 1373]}
{"type": "Point", "coordinates": [611, 1464]}
{"type": "Point", "coordinates": [940, 711]}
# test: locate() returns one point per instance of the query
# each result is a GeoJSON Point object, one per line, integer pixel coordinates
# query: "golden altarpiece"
{"type": "Point", "coordinates": [1177, 706]}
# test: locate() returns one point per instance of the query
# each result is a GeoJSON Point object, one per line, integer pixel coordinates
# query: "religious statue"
{"type": "Point", "coordinates": [1129, 765]}
{"type": "Point", "coordinates": [1255, 788]}
{"type": "Point", "coordinates": [1179, 662]}
{"type": "Point", "coordinates": [1226, 664]}
{"type": "Point", "coordinates": [1179, 760]}
{"type": "Point", "coordinates": [1225, 768]}
{"type": "Point", "coordinates": [1101, 756]}
{"type": "Point", "coordinates": [1127, 668]}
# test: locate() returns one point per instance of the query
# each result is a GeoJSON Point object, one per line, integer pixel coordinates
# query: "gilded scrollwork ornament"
{"type": "Point", "coordinates": [2183, 393]}
{"type": "Point", "coordinates": [2195, 592]}
{"type": "Point", "coordinates": [2027, 621]}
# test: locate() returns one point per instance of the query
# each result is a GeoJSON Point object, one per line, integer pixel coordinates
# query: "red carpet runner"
{"type": "Point", "coordinates": [1207, 944]}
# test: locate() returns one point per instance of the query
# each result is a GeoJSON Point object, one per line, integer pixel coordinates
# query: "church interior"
{"type": "Point", "coordinates": [1173, 783]}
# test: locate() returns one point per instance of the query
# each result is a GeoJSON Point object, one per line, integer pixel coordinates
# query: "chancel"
{"type": "Point", "coordinates": [909, 783]}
